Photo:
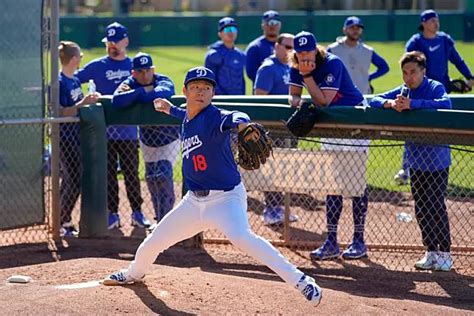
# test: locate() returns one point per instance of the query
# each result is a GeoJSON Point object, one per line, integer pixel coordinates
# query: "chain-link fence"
{"type": "Point", "coordinates": [323, 198]}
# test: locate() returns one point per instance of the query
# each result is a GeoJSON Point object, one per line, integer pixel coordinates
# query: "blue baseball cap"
{"type": "Point", "coordinates": [428, 14]}
{"type": "Point", "coordinates": [304, 41]}
{"type": "Point", "coordinates": [270, 15]}
{"type": "Point", "coordinates": [115, 33]}
{"type": "Point", "coordinates": [142, 61]}
{"type": "Point", "coordinates": [200, 73]}
{"type": "Point", "coordinates": [224, 22]}
{"type": "Point", "coordinates": [353, 20]}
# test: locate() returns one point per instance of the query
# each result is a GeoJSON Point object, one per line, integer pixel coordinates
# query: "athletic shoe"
{"type": "Point", "coordinates": [120, 278]}
{"type": "Point", "coordinates": [114, 221]}
{"type": "Point", "coordinates": [428, 261]}
{"type": "Point", "coordinates": [329, 250]}
{"type": "Point", "coordinates": [401, 178]}
{"type": "Point", "coordinates": [444, 262]}
{"type": "Point", "coordinates": [311, 291]}
{"type": "Point", "coordinates": [357, 249]}
{"type": "Point", "coordinates": [68, 230]}
{"type": "Point", "coordinates": [271, 216]}
{"type": "Point", "coordinates": [139, 220]}
{"type": "Point", "coordinates": [275, 215]}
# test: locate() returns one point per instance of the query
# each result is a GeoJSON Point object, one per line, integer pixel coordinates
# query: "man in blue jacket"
{"type": "Point", "coordinates": [226, 60]}
{"type": "Point", "coordinates": [122, 145]}
{"type": "Point", "coordinates": [160, 145]}
{"type": "Point", "coordinates": [428, 164]}
{"type": "Point", "coordinates": [438, 48]}
{"type": "Point", "coordinates": [263, 46]}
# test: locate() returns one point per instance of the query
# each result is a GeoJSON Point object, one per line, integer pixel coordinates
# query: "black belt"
{"type": "Point", "coordinates": [204, 193]}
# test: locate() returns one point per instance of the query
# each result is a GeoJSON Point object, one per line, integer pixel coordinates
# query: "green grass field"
{"type": "Point", "coordinates": [383, 164]}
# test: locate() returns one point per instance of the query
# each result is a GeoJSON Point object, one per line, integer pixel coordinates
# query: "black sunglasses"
{"type": "Point", "coordinates": [288, 46]}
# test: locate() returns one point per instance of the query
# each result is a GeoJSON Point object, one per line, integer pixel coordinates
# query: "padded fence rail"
{"type": "Point", "coordinates": [315, 188]}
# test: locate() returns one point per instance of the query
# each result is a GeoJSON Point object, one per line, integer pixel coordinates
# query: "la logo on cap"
{"type": "Point", "coordinates": [302, 41]}
{"type": "Point", "coordinates": [201, 72]}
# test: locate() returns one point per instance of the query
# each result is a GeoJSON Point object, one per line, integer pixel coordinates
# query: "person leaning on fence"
{"type": "Point", "coordinates": [263, 46]}
{"type": "Point", "coordinates": [439, 49]}
{"type": "Point", "coordinates": [357, 56]}
{"type": "Point", "coordinates": [428, 164]}
{"type": "Point", "coordinates": [71, 99]}
{"type": "Point", "coordinates": [329, 83]}
{"type": "Point", "coordinates": [160, 145]}
{"type": "Point", "coordinates": [226, 60]}
{"type": "Point", "coordinates": [108, 72]}
{"type": "Point", "coordinates": [273, 78]}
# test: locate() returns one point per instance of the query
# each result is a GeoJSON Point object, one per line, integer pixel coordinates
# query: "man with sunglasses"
{"type": "Point", "coordinates": [226, 60]}
{"type": "Point", "coordinates": [108, 72]}
{"type": "Point", "coordinates": [273, 78]}
{"type": "Point", "coordinates": [160, 144]}
{"type": "Point", "coordinates": [357, 56]}
{"type": "Point", "coordinates": [263, 46]}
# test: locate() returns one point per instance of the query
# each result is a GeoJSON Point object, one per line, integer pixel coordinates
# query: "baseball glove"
{"type": "Point", "coordinates": [302, 121]}
{"type": "Point", "coordinates": [458, 85]}
{"type": "Point", "coordinates": [254, 146]}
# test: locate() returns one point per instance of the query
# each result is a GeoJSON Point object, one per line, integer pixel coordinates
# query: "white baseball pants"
{"type": "Point", "coordinates": [225, 211]}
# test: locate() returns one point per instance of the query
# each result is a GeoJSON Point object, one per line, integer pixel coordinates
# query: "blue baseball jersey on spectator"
{"type": "Point", "coordinates": [228, 66]}
{"type": "Point", "coordinates": [163, 88]}
{"type": "Point", "coordinates": [431, 94]}
{"type": "Point", "coordinates": [273, 76]}
{"type": "Point", "coordinates": [257, 51]}
{"type": "Point", "coordinates": [70, 93]}
{"type": "Point", "coordinates": [208, 161]}
{"type": "Point", "coordinates": [332, 75]}
{"type": "Point", "coordinates": [438, 51]}
{"type": "Point", "coordinates": [107, 74]}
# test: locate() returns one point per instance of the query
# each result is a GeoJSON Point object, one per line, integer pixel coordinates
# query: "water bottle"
{"type": "Point", "coordinates": [405, 91]}
{"type": "Point", "coordinates": [91, 87]}
{"type": "Point", "coordinates": [404, 217]}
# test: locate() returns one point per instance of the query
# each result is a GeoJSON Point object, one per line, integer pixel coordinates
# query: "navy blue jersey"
{"type": "Point", "coordinates": [430, 94]}
{"type": "Point", "coordinates": [332, 75]}
{"type": "Point", "coordinates": [438, 52]}
{"type": "Point", "coordinates": [273, 76]}
{"type": "Point", "coordinates": [163, 88]}
{"type": "Point", "coordinates": [107, 74]}
{"type": "Point", "coordinates": [257, 51]}
{"type": "Point", "coordinates": [208, 161]}
{"type": "Point", "coordinates": [228, 66]}
{"type": "Point", "coordinates": [70, 93]}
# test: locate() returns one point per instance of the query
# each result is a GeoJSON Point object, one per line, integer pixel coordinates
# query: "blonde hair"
{"type": "Point", "coordinates": [67, 50]}
{"type": "Point", "coordinates": [320, 56]}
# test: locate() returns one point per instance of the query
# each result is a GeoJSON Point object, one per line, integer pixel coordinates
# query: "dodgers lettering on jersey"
{"type": "Point", "coordinates": [332, 75]}
{"type": "Point", "coordinates": [163, 87]}
{"type": "Point", "coordinates": [257, 51]}
{"type": "Point", "coordinates": [228, 66]}
{"type": "Point", "coordinates": [273, 76]}
{"type": "Point", "coordinates": [70, 93]}
{"type": "Point", "coordinates": [430, 94]}
{"type": "Point", "coordinates": [438, 52]}
{"type": "Point", "coordinates": [208, 160]}
{"type": "Point", "coordinates": [107, 74]}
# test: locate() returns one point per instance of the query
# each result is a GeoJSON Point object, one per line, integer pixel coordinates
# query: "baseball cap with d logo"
{"type": "Point", "coordinates": [142, 61]}
{"type": "Point", "coordinates": [115, 32]}
{"type": "Point", "coordinates": [304, 42]}
{"type": "Point", "coordinates": [200, 73]}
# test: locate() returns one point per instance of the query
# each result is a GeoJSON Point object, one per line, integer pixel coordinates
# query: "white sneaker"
{"type": "Point", "coordinates": [444, 262]}
{"type": "Point", "coordinates": [120, 278]}
{"type": "Point", "coordinates": [428, 261]}
{"type": "Point", "coordinates": [310, 290]}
